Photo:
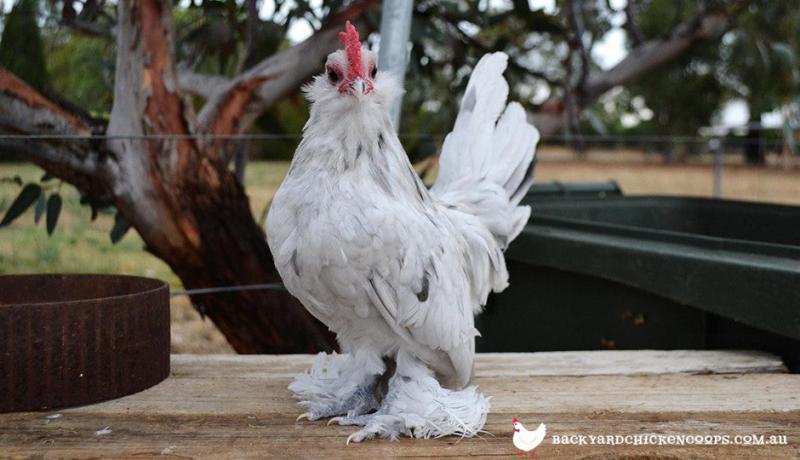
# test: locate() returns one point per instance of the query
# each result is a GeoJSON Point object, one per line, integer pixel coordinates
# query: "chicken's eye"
{"type": "Point", "coordinates": [333, 76]}
{"type": "Point", "coordinates": [374, 71]}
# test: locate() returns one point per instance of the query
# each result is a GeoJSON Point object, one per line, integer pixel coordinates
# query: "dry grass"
{"type": "Point", "coordinates": [81, 246]}
{"type": "Point", "coordinates": [656, 178]}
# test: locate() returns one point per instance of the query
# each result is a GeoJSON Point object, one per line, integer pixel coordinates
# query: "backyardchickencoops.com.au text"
{"type": "Point", "coordinates": [671, 440]}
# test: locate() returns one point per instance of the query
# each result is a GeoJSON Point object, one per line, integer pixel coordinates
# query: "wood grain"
{"type": "Point", "coordinates": [239, 407]}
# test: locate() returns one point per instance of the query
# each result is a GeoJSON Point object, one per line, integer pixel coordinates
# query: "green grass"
{"type": "Point", "coordinates": [79, 245]}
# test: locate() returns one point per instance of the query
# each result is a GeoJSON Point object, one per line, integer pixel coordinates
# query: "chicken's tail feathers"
{"type": "Point", "coordinates": [515, 156]}
{"type": "Point", "coordinates": [486, 167]}
{"type": "Point", "coordinates": [490, 140]}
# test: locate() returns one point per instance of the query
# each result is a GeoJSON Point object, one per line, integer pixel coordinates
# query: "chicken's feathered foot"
{"type": "Point", "coordinates": [337, 384]}
{"type": "Point", "coordinates": [361, 401]}
{"type": "Point", "coordinates": [417, 406]}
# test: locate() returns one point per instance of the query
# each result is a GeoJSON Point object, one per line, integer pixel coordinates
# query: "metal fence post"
{"type": "Point", "coordinates": [715, 145]}
{"type": "Point", "coordinates": [395, 31]}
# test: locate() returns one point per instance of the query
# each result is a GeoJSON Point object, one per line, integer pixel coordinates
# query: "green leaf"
{"type": "Point", "coordinates": [120, 228]}
{"type": "Point", "coordinates": [41, 204]}
{"type": "Point", "coordinates": [24, 200]}
{"type": "Point", "coordinates": [53, 211]}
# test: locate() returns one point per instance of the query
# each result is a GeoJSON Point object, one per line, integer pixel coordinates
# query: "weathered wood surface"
{"type": "Point", "coordinates": [239, 407]}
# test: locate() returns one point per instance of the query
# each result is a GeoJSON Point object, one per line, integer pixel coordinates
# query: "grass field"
{"type": "Point", "coordinates": [79, 245]}
{"type": "Point", "coordinates": [639, 174]}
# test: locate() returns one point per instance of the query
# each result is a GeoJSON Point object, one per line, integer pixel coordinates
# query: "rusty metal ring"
{"type": "Point", "coordinates": [68, 340]}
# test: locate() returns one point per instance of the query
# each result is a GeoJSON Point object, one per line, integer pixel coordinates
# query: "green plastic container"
{"type": "Point", "coordinates": [603, 270]}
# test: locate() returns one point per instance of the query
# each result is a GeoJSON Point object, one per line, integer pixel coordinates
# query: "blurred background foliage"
{"type": "Point", "coordinates": [67, 47]}
{"type": "Point", "coordinates": [21, 49]}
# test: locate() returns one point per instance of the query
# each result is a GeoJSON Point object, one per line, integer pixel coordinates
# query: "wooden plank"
{"type": "Point", "coordinates": [213, 389]}
{"type": "Point", "coordinates": [621, 362]}
{"type": "Point", "coordinates": [601, 362]}
{"type": "Point", "coordinates": [277, 436]}
{"type": "Point", "coordinates": [239, 407]}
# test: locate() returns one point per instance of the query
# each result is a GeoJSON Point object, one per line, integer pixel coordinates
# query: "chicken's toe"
{"type": "Point", "coordinates": [352, 420]}
{"type": "Point", "coordinates": [363, 400]}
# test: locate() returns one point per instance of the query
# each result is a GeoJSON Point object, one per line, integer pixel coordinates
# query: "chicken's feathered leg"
{"type": "Point", "coordinates": [361, 401]}
{"type": "Point", "coordinates": [417, 405]}
{"type": "Point", "coordinates": [339, 384]}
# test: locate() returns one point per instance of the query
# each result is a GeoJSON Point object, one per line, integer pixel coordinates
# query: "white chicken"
{"type": "Point", "coordinates": [397, 271]}
{"type": "Point", "coordinates": [526, 440]}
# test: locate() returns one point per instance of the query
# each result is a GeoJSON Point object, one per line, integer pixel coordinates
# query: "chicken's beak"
{"type": "Point", "coordinates": [359, 87]}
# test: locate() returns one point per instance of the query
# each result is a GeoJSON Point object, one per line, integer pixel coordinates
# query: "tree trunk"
{"type": "Point", "coordinates": [170, 181]}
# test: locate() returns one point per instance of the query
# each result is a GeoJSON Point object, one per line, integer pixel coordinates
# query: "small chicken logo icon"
{"type": "Point", "coordinates": [526, 440]}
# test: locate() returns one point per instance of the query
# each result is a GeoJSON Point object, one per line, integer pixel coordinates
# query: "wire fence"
{"type": "Point", "coordinates": [759, 144]}
{"type": "Point", "coordinates": [421, 145]}
{"type": "Point", "coordinates": [627, 139]}
{"type": "Point", "coordinates": [224, 289]}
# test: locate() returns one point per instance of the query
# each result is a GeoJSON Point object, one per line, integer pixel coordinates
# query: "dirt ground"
{"type": "Point", "coordinates": [635, 172]}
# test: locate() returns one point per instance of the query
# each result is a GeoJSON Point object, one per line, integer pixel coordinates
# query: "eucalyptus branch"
{"type": "Point", "coordinates": [513, 62]}
{"type": "Point", "coordinates": [197, 84]}
{"type": "Point", "coordinates": [233, 106]}
{"type": "Point", "coordinates": [85, 23]}
{"type": "Point", "coordinates": [575, 23]}
{"type": "Point", "coordinates": [634, 32]}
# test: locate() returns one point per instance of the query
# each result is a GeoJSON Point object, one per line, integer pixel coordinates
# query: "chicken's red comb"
{"type": "Point", "coordinates": [514, 420]}
{"type": "Point", "coordinates": [352, 47]}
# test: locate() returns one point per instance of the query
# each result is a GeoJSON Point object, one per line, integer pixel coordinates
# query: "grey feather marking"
{"type": "Point", "coordinates": [422, 295]}
{"type": "Point", "coordinates": [469, 101]}
{"type": "Point", "coordinates": [380, 178]}
{"type": "Point", "coordinates": [422, 195]}
{"type": "Point", "coordinates": [293, 261]}
{"type": "Point", "coordinates": [433, 266]}
{"type": "Point", "coordinates": [386, 311]}
{"type": "Point", "coordinates": [431, 220]}
{"type": "Point", "coordinates": [526, 182]}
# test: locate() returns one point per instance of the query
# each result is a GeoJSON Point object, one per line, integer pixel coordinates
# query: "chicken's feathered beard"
{"type": "Point", "coordinates": [397, 271]}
